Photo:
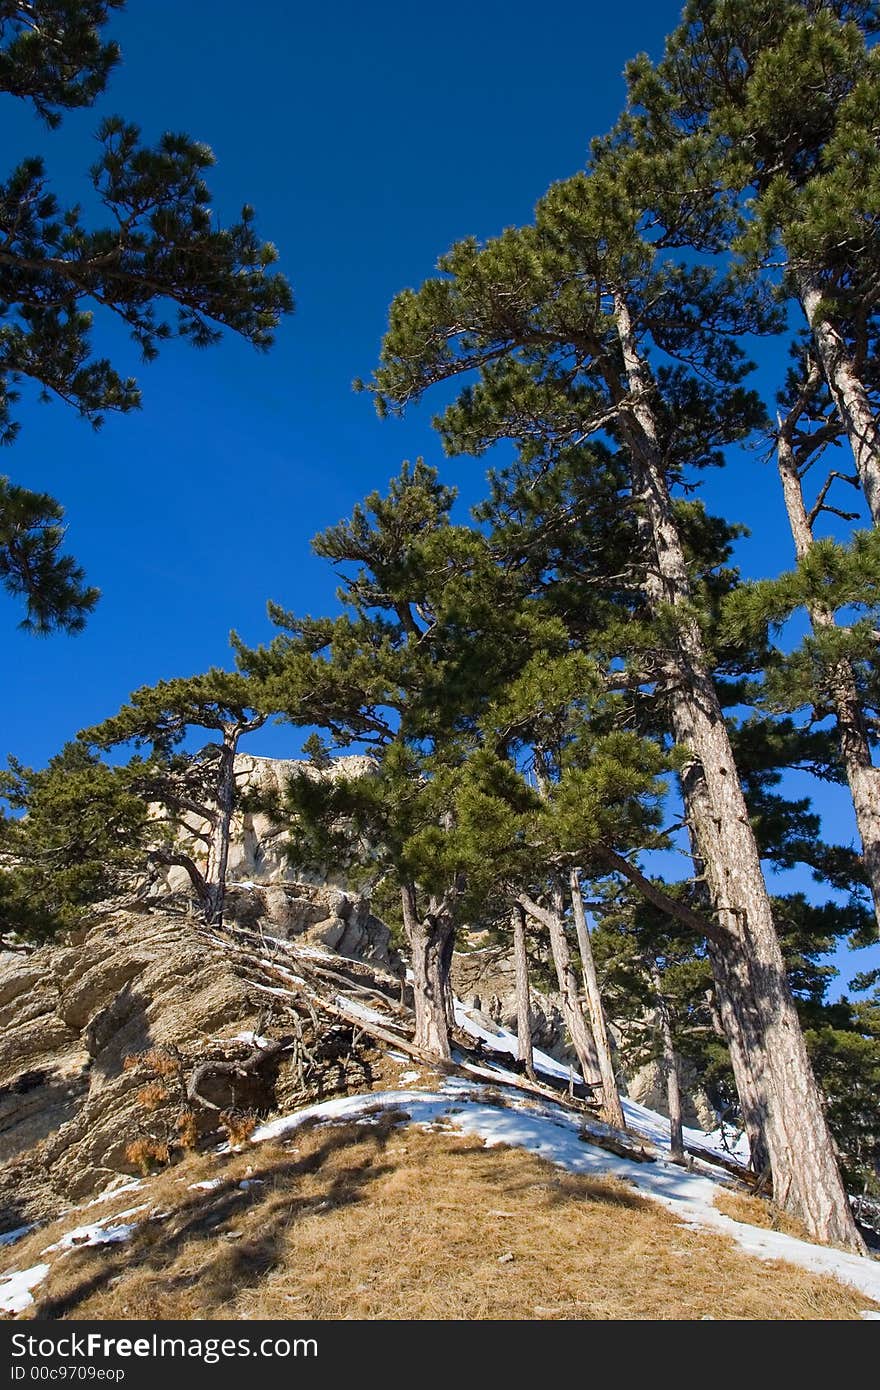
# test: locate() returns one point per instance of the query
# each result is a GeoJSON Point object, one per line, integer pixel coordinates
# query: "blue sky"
{"type": "Point", "coordinates": [368, 139]}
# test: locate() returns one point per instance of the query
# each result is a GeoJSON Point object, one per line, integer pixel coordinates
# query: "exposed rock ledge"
{"type": "Point", "coordinates": [258, 849]}
{"type": "Point", "coordinates": [70, 1016]}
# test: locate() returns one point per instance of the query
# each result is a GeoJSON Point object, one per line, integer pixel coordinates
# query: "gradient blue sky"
{"type": "Point", "coordinates": [368, 139]}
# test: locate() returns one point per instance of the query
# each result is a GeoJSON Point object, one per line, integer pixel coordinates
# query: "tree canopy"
{"type": "Point", "coordinates": [159, 262]}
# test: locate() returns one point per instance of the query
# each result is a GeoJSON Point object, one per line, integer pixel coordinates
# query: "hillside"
{"type": "Point", "coordinates": [208, 1122]}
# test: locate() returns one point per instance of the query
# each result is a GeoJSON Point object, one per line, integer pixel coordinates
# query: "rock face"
{"type": "Point", "coordinates": [648, 1087]}
{"type": "Point", "coordinates": [257, 851]}
{"type": "Point", "coordinates": [484, 978]}
{"type": "Point", "coordinates": [148, 983]}
{"type": "Point", "coordinates": [263, 886]}
{"type": "Point", "coordinates": [316, 915]}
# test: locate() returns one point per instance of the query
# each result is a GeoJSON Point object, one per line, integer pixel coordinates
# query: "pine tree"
{"type": "Point", "coordinates": [658, 981]}
{"type": "Point", "coordinates": [52, 54]}
{"type": "Point", "coordinates": [402, 673]}
{"type": "Point", "coordinates": [831, 673]}
{"type": "Point", "coordinates": [598, 790]}
{"type": "Point", "coordinates": [557, 320]}
{"type": "Point", "coordinates": [197, 791]}
{"type": "Point", "coordinates": [780, 98]}
{"type": "Point", "coordinates": [449, 671]}
{"type": "Point", "coordinates": [74, 833]}
{"type": "Point", "coordinates": [160, 264]}
{"type": "Point", "coordinates": [32, 566]}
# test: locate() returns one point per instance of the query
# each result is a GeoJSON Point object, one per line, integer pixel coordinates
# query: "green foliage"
{"type": "Point", "coordinates": [533, 311]}
{"type": "Point", "coordinates": [52, 54]}
{"type": "Point", "coordinates": [160, 716]}
{"type": "Point", "coordinates": [776, 104]}
{"type": "Point", "coordinates": [32, 566]}
{"type": "Point", "coordinates": [160, 263]}
{"type": "Point", "coordinates": [72, 834]}
{"type": "Point", "coordinates": [633, 945]}
{"type": "Point", "coordinates": [846, 1059]}
{"type": "Point", "coordinates": [451, 666]}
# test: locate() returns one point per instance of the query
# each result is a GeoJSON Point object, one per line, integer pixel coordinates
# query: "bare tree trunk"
{"type": "Point", "coordinates": [806, 1177]}
{"type": "Point", "coordinates": [855, 747]}
{"type": "Point", "coordinates": [523, 1003]}
{"type": "Point", "coordinates": [741, 1035]}
{"type": "Point", "coordinates": [611, 1106]}
{"type": "Point", "coordinates": [168, 858]}
{"type": "Point", "coordinates": [572, 1012]}
{"type": "Point", "coordinates": [848, 393]}
{"type": "Point", "coordinates": [429, 940]}
{"type": "Point", "coordinates": [218, 850]}
{"type": "Point", "coordinates": [737, 1033]}
{"type": "Point", "coordinates": [670, 1069]}
{"type": "Point", "coordinates": [446, 975]}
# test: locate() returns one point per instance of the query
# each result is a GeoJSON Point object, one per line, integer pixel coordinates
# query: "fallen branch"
{"type": "Point", "coordinates": [215, 1067]}
{"type": "Point", "coordinates": [618, 1146]}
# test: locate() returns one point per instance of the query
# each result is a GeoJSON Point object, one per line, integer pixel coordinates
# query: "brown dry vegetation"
{"type": "Point", "coordinates": [380, 1222]}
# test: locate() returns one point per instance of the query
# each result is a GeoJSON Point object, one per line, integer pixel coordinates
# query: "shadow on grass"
{"type": "Point", "coordinates": [266, 1208]}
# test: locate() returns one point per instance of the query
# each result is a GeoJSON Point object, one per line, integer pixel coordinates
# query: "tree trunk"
{"type": "Point", "coordinates": [848, 393]}
{"type": "Point", "coordinates": [446, 977]}
{"type": "Point", "coordinates": [167, 858]}
{"type": "Point", "coordinates": [430, 939]}
{"type": "Point", "coordinates": [523, 1002]}
{"type": "Point", "coordinates": [670, 1069]}
{"type": "Point", "coordinates": [742, 1035]}
{"type": "Point", "coordinates": [855, 748]}
{"type": "Point", "coordinates": [611, 1106]}
{"type": "Point", "coordinates": [218, 852]}
{"type": "Point", "coordinates": [806, 1177]}
{"type": "Point", "coordinates": [572, 1012]}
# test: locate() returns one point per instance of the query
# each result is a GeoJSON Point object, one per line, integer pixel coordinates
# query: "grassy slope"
{"type": "Point", "coordinates": [381, 1222]}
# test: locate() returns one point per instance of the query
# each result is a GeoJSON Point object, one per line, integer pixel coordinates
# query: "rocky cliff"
{"type": "Point", "coordinates": [151, 1030]}
{"type": "Point", "coordinates": [258, 849]}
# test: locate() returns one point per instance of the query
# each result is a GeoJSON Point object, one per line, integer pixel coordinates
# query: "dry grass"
{"type": "Point", "coordinates": [759, 1211]}
{"type": "Point", "coordinates": [378, 1222]}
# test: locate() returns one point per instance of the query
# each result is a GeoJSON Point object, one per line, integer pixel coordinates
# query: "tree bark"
{"type": "Point", "coordinates": [218, 850]}
{"type": "Point", "coordinates": [855, 747]}
{"type": "Point", "coordinates": [430, 939]}
{"type": "Point", "coordinates": [167, 858]}
{"type": "Point", "coordinates": [742, 1032]}
{"type": "Point", "coordinates": [848, 392]}
{"type": "Point", "coordinates": [446, 977]}
{"type": "Point", "coordinates": [611, 1106]}
{"type": "Point", "coordinates": [572, 1012]}
{"type": "Point", "coordinates": [806, 1177]}
{"type": "Point", "coordinates": [523, 1003]}
{"type": "Point", "coordinates": [737, 1033]}
{"type": "Point", "coordinates": [670, 1069]}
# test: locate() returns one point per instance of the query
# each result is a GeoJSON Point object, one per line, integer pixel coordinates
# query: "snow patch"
{"type": "Point", "coordinates": [653, 1126]}
{"type": "Point", "coordinates": [15, 1288]}
{"type": "Point", "coordinates": [99, 1232]}
{"type": "Point", "coordinates": [134, 1186]}
{"type": "Point", "coordinates": [560, 1137]}
{"type": "Point", "coordinates": [354, 1006]}
{"type": "Point", "coordinates": [10, 1237]}
{"type": "Point", "coordinates": [254, 1039]}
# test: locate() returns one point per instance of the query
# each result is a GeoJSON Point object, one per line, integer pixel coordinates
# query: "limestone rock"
{"type": "Point", "coordinates": [484, 978]}
{"type": "Point", "coordinates": [648, 1087]}
{"type": "Point", "coordinates": [257, 852]}
{"type": "Point", "coordinates": [136, 981]}
{"type": "Point", "coordinates": [316, 914]}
